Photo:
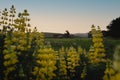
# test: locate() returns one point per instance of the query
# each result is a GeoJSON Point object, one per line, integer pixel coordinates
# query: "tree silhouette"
{"type": "Point", "coordinates": [114, 28]}
{"type": "Point", "coordinates": [67, 34]}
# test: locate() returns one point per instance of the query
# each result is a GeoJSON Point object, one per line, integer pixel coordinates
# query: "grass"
{"type": "Point", "coordinates": [85, 43]}
{"type": "Point", "coordinates": [57, 43]}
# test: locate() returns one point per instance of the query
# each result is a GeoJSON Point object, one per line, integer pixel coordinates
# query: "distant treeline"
{"type": "Point", "coordinates": [65, 35]}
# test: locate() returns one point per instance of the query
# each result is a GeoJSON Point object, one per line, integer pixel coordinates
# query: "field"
{"type": "Point", "coordinates": [67, 42]}
{"type": "Point", "coordinates": [55, 58]}
{"type": "Point", "coordinates": [85, 43]}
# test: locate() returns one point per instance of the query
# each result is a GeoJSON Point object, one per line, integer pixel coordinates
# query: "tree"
{"type": "Point", "coordinates": [114, 28]}
{"type": "Point", "coordinates": [67, 34]}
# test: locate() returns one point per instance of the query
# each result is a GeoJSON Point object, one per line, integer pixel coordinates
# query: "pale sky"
{"type": "Point", "coordinates": [76, 16]}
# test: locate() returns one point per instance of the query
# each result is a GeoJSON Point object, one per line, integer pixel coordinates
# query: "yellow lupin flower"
{"type": "Point", "coordinates": [46, 61]}
{"type": "Point", "coordinates": [7, 56]}
{"type": "Point", "coordinates": [97, 38]}
{"type": "Point", "coordinates": [72, 60]}
{"type": "Point", "coordinates": [14, 39]}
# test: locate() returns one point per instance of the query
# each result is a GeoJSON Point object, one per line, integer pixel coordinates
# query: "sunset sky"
{"type": "Point", "coordinates": [77, 16]}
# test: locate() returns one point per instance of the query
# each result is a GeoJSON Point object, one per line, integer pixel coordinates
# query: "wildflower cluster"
{"type": "Point", "coordinates": [61, 64]}
{"type": "Point", "coordinates": [97, 51]}
{"type": "Point", "coordinates": [72, 59]}
{"type": "Point", "coordinates": [10, 55]}
{"type": "Point", "coordinates": [45, 67]}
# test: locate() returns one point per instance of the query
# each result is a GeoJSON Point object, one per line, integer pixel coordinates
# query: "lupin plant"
{"type": "Point", "coordinates": [45, 67]}
{"type": "Point", "coordinates": [19, 38]}
{"type": "Point", "coordinates": [97, 38]}
{"type": "Point", "coordinates": [100, 50]}
{"type": "Point", "coordinates": [72, 61]}
{"type": "Point", "coordinates": [61, 65]}
{"type": "Point", "coordinates": [10, 56]}
{"type": "Point", "coordinates": [21, 27]}
{"type": "Point", "coordinates": [80, 50]}
{"type": "Point", "coordinates": [12, 16]}
{"type": "Point", "coordinates": [4, 20]}
{"type": "Point", "coordinates": [84, 72]}
{"type": "Point", "coordinates": [26, 19]}
{"type": "Point", "coordinates": [24, 43]}
{"type": "Point", "coordinates": [109, 72]}
{"type": "Point", "coordinates": [112, 71]}
{"type": "Point", "coordinates": [18, 44]}
{"type": "Point", "coordinates": [116, 63]}
{"type": "Point", "coordinates": [21, 23]}
{"type": "Point", "coordinates": [37, 40]}
{"type": "Point", "coordinates": [92, 55]}
{"type": "Point", "coordinates": [91, 50]}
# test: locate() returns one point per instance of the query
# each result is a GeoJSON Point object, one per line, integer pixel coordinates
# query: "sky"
{"type": "Point", "coordinates": [76, 16]}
